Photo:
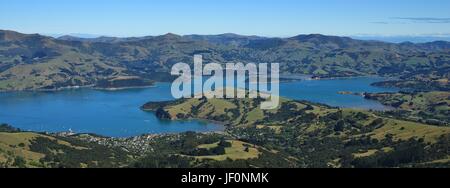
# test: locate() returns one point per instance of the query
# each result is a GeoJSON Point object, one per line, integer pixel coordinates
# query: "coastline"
{"type": "Point", "coordinates": [190, 119]}
{"type": "Point", "coordinates": [284, 78]}
{"type": "Point", "coordinates": [123, 88]}
{"type": "Point", "coordinates": [68, 133]}
{"type": "Point", "coordinates": [222, 129]}
{"type": "Point", "coordinates": [78, 87]}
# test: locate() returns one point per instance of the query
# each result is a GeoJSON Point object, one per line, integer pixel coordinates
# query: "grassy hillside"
{"type": "Point", "coordinates": [317, 135]}
{"type": "Point", "coordinates": [36, 150]}
{"type": "Point", "coordinates": [311, 117]}
{"type": "Point", "coordinates": [29, 62]}
{"type": "Point", "coordinates": [427, 80]}
{"type": "Point", "coordinates": [420, 106]}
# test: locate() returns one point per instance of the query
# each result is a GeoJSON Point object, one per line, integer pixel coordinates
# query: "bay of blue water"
{"type": "Point", "coordinates": [117, 113]}
{"type": "Point", "coordinates": [327, 92]}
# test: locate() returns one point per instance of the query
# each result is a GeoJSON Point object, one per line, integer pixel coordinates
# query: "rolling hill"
{"type": "Point", "coordinates": [432, 107]}
{"type": "Point", "coordinates": [31, 62]}
{"type": "Point", "coordinates": [40, 150]}
{"type": "Point", "coordinates": [317, 135]}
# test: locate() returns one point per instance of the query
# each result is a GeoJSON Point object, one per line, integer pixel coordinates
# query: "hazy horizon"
{"type": "Point", "coordinates": [383, 38]}
{"type": "Point", "coordinates": [262, 18]}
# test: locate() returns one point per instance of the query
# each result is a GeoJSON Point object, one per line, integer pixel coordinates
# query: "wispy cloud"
{"type": "Point", "coordinates": [423, 19]}
{"type": "Point", "coordinates": [379, 22]}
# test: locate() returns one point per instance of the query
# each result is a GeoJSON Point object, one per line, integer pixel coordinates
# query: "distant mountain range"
{"type": "Point", "coordinates": [226, 38]}
{"type": "Point", "coordinates": [32, 61]}
{"type": "Point", "coordinates": [403, 39]}
{"type": "Point", "coordinates": [101, 39]}
{"type": "Point", "coordinates": [381, 38]}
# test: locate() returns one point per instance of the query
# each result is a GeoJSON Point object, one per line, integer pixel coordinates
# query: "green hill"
{"type": "Point", "coordinates": [38, 150]}
{"type": "Point", "coordinates": [431, 107]}
{"type": "Point", "coordinates": [315, 134]}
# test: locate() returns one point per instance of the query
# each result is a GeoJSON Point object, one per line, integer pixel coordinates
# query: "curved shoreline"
{"type": "Point", "coordinates": [78, 87]}
{"type": "Point", "coordinates": [142, 100]}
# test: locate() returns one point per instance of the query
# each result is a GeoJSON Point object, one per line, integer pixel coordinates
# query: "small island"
{"type": "Point", "coordinates": [351, 93]}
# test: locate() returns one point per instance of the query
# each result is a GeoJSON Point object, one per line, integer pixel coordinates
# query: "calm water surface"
{"type": "Point", "coordinates": [326, 92]}
{"type": "Point", "coordinates": [117, 113]}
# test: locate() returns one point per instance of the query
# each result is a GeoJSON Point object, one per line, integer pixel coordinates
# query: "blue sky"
{"type": "Point", "coordinates": [250, 17]}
